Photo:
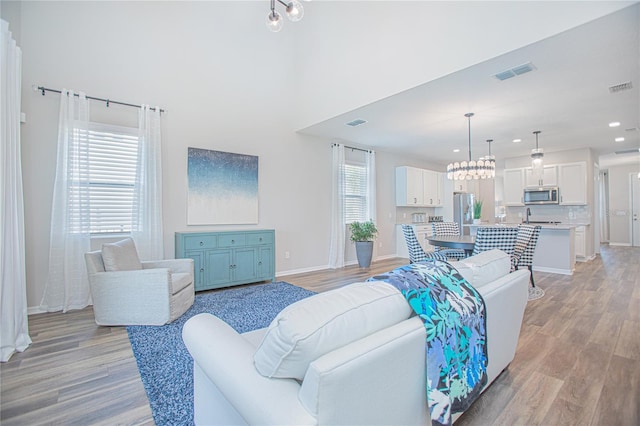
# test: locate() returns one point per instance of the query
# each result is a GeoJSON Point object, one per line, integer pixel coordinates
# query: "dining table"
{"type": "Point", "coordinates": [464, 242]}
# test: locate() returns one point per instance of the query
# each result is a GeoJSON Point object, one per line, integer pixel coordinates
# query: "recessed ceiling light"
{"type": "Point", "coordinates": [614, 124]}
{"type": "Point", "coordinates": [619, 139]}
{"type": "Point", "coordinates": [517, 140]}
{"type": "Point", "coordinates": [456, 150]}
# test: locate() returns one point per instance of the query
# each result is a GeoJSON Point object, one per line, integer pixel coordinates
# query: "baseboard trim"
{"type": "Point", "coordinates": [35, 310]}
{"type": "Point", "coordinates": [553, 270]}
{"type": "Point", "coordinates": [620, 244]}
{"type": "Point", "coordinates": [325, 267]}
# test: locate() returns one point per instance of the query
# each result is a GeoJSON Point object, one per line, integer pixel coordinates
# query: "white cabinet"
{"type": "Point", "coordinates": [409, 187]}
{"type": "Point", "coordinates": [432, 188]}
{"type": "Point", "coordinates": [460, 186]}
{"type": "Point", "coordinates": [549, 177]}
{"type": "Point", "coordinates": [572, 184]}
{"type": "Point", "coordinates": [581, 251]}
{"type": "Point", "coordinates": [418, 187]}
{"type": "Point", "coordinates": [513, 187]}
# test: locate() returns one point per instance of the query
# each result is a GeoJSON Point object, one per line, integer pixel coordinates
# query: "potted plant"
{"type": "Point", "coordinates": [363, 234]}
{"type": "Point", "coordinates": [477, 211]}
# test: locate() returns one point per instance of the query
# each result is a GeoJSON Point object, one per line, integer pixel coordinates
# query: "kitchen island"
{"type": "Point", "coordinates": [555, 251]}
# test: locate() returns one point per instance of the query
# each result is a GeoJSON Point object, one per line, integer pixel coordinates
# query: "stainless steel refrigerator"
{"type": "Point", "coordinates": [463, 210]}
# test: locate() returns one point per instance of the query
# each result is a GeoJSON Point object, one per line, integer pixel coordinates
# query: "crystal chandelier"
{"type": "Point", "coordinates": [484, 168]}
{"type": "Point", "coordinates": [293, 9]}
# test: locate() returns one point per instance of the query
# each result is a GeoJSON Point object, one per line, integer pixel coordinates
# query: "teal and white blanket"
{"type": "Point", "coordinates": [453, 313]}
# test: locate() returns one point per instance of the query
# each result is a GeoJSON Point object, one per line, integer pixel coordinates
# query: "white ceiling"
{"type": "Point", "coordinates": [567, 97]}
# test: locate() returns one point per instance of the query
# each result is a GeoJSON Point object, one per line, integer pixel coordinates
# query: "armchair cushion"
{"type": "Point", "coordinates": [121, 256]}
{"type": "Point", "coordinates": [312, 327]}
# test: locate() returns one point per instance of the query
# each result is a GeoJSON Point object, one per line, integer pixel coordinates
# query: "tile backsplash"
{"type": "Point", "coordinates": [564, 214]}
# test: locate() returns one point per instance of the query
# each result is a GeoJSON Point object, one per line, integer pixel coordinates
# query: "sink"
{"type": "Point", "coordinates": [543, 222]}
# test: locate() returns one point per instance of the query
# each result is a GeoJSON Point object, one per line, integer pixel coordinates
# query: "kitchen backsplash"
{"type": "Point", "coordinates": [564, 214]}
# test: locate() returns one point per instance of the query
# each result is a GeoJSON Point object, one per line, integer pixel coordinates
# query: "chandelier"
{"type": "Point", "coordinates": [293, 9]}
{"type": "Point", "coordinates": [484, 168]}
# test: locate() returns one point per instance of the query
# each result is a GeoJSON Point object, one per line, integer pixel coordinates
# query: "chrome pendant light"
{"type": "Point", "coordinates": [293, 10]}
{"type": "Point", "coordinates": [536, 157]}
{"type": "Point", "coordinates": [484, 168]}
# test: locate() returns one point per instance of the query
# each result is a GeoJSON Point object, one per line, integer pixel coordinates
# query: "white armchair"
{"type": "Point", "coordinates": [126, 291]}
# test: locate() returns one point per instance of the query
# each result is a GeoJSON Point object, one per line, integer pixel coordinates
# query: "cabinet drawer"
{"type": "Point", "coordinates": [231, 240]}
{"type": "Point", "coordinates": [260, 238]}
{"type": "Point", "coordinates": [192, 242]}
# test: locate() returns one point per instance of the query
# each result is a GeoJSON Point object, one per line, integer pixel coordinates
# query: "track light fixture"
{"type": "Point", "coordinates": [293, 9]}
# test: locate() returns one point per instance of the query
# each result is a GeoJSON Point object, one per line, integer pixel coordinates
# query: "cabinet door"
{"type": "Point", "coordinates": [580, 242]}
{"type": "Point", "coordinates": [219, 269]}
{"type": "Point", "coordinates": [265, 263]}
{"type": "Point", "coordinates": [244, 264]}
{"type": "Point", "coordinates": [572, 184]}
{"type": "Point", "coordinates": [432, 183]}
{"type": "Point", "coordinates": [549, 177]}
{"type": "Point", "coordinates": [409, 186]}
{"type": "Point", "coordinates": [513, 187]}
{"type": "Point", "coordinates": [198, 268]}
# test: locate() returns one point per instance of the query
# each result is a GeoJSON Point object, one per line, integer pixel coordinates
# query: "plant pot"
{"type": "Point", "coordinates": [364, 251]}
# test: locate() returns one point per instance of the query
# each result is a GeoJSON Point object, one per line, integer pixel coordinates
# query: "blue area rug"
{"type": "Point", "coordinates": [166, 368]}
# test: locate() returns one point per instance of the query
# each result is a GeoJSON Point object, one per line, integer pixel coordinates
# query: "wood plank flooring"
{"type": "Point", "coordinates": [577, 363]}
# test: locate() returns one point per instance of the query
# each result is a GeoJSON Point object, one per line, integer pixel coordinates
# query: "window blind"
{"type": "Point", "coordinates": [355, 195]}
{"type": "Point", "coordinates": [105, 175]}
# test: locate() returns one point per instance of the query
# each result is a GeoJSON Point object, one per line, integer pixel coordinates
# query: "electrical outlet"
{"type": "Point", "coordinates": [380, 244]}
{"type": "Point", "coordinates": [287, 255]}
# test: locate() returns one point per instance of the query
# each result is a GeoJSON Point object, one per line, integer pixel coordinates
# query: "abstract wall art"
{"type": "Point", "coordinates": [223, 188]}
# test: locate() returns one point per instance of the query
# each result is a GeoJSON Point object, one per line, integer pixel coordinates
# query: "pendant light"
{"type": "Point", "coordinates": [536, 157]}
{"type": "Point", "coordinates": [293, 9]}
{"type": "Point", "coordinates": [467, 170]}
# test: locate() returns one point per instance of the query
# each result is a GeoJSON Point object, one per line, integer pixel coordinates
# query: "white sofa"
{"type": "Point", "coordinates": [352, 356]}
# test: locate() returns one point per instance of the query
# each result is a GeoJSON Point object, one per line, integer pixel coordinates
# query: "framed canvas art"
{"type": "Point", "coordinates": [223, 188]}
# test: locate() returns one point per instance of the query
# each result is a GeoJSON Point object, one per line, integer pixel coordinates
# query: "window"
{"type": "Point", "coordinates": [109, 176]}
{"type": "Point", "coordinates": [355, 194]}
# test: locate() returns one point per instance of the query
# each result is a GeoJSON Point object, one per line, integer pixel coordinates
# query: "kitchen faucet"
{"type": "Point", "coordinates": [528, 214]}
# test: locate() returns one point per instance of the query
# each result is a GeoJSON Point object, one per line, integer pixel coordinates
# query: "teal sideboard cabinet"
{"type": "Point", "coordinates": [228, 258]}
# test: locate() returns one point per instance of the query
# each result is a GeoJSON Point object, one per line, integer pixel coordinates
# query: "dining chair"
{"type": "Point", "coordinates": [525, 247]}
{"type": "Point", "coordinates": [448, 229]}
{"type": "Point", "coordinates": [416, 252]}
{"type": "Point", "coordinates": [495, 237]}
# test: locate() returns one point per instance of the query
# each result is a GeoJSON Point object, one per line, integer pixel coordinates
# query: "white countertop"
{"type": "Point", "coordinates": [557, 226]}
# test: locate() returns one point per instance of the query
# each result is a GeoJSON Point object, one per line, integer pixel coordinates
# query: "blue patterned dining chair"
{"type": "Point", "coordinates": [416, 252]}
{"type": "Point", "coordinates": [525, 247]}
{"type": "Point", "coordinates": [452, 229]}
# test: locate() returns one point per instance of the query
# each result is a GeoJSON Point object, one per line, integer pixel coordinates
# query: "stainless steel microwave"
{"type": "Point", "coordinates": [541, 196]}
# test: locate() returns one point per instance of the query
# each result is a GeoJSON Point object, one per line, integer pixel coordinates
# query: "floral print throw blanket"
{"type": "Point", "coordinates": [453, 313]}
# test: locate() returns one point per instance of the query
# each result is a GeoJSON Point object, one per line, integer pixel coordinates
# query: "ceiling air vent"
{"type": "Point", "coordinates": [620, 87]}
{"type": "Point", "coordinates": [512, 72]}
{"type": "Point", "coordinates": [357, 122]}
{"type": "Point", "coordinates": [628, 151]}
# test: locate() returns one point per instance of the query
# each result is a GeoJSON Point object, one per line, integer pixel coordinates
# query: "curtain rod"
{"type": "Point", "coordinates": [354, 148]}
{"type": "Point", "coordinates": [108, 101]}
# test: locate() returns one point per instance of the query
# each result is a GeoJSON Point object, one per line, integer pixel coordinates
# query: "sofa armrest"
{"type": "Point", "coordinates": [131, 297]}
{"type": "Point", "coordinates": [226, 359]}
{"type": "Point", "coordinates": [379, 379]}
{"type": "Point", "coordinates": [175, 265]}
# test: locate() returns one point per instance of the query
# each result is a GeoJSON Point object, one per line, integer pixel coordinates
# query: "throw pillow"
{"type": "Point", "coordinates": [121, 256]}
{"type": "Point", "coordinates": [312, 327]}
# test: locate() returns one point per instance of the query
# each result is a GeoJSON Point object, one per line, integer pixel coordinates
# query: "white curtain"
{"type": "Point", "coordinates": [13, 291]}
{"type": "Point", "coordinates": [370, 157]}
{"type": "Point", "coordinates": [67, 285]}
{"type": "Point", "coordinates": [147, 208]}
{"type": "Point", "coordinates": [338, 226]}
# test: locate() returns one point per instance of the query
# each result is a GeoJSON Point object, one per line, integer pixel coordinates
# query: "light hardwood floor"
{"type": "Point", "coordinates": [577, 363]}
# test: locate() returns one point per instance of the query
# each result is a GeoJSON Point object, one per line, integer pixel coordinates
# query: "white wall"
{"type": "Point", "coordinates": [224, 89]}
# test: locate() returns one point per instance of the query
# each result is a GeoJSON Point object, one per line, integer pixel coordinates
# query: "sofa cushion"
{"type": "Point", "coordinates": [121, 256]}
{"type": "Point", "coordinates": [484, 267]}
{"type": "Point", "coordinates": [314, 326]}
